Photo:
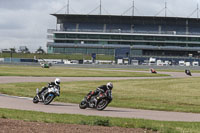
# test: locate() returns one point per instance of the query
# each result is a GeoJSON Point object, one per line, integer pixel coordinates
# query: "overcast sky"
{"type": "Point", "coordinates": [25, 22]}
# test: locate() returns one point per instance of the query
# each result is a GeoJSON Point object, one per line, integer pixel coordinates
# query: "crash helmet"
{"type": "Point", "coordinates": [57, 81]}
{"type": "Point", "coordinates": [109, 85]}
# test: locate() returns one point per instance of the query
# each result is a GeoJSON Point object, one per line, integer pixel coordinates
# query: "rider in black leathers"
{"type": "Point", "coordinates": [102, 89]}
{"type": "Point", "coordinates": [51, 84]}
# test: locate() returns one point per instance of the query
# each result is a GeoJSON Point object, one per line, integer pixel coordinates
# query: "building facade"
{"type": "Point", "coordinates": [125, 36]}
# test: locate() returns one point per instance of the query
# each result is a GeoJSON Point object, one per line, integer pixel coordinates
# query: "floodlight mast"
{"type": "Point", "coordinates": [165, 9]}
{"type": "Point", "coordinates": [68, 7]}
{"type": "Point", "coordinates": [133, 12]}
{"type": "Point", "coordinates": [197, 10]}
{"type": "Point", "coordinates": [100, 7]}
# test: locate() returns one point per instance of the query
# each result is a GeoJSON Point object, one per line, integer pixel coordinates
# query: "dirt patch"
{"type": "Point", "coordinates": [13, 126]}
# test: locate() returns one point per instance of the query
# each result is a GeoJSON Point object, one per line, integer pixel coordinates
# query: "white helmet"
{"type": "Point", "coordinates": [57, 81]}
{"type": "Point", "coordinates": [109, 85]}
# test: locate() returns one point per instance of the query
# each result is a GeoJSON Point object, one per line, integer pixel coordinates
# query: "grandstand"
{"type": "Point", "coordinates": [132, 37]}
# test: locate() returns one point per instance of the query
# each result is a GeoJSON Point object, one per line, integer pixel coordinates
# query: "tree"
{"type": "Point", "coordinates": [40, 50]}
{"type": "Point", "coordinates": [24, 49]}
{"type": "Point", "coordinates": [13, 50]}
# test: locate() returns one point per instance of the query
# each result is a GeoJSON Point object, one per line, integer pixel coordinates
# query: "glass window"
{"type": "Point", "coordinates": [126, 37]}
{"type": "Point", "coordinates": [149, 38]}
{"type": "Point", "coordinates": [115, 37]}
{"type": "Point", "coordinates": [91, 42]}
{"type": "Point", "coordinates": [104, 36]}
{"type": "Point", "coordinates": [101, 51]}
{"type": "Point", "coordinates": [111, 51]}
{"type": "Point", "coordinates": [136, 52]}
{"type": "Point", "coordinates": [159, 38]}
{"type": "Point", "coordinates": [81, 50]}
{"type": "Point", "coordinates": [91, 50]}
{"type": "Point", "coordinates": [193, 39]}
{"type": "Point", "coordinates": [59, 41]}
{"type": "Point", "coordinates": [171, 38]}
{"type": "Point", "coordinates": [60, 35]}
{"type": "Point", "coordinates": [71, 36]}
{"type": "Point", "coordinates": [69, 41]}
{"type": "Point", "coordinates": [93, 36]}
{"type": "Point", "coordinates": [181, 39]}
{"type": "Point", "coordinates": [112, 42]}
{"type": "Point", "coordinates": [82, 36]}
{"type": "Point", "coordinates": [70, 50]}
{"type": "Point", "coordinates": [59, 50]}
{"type": "Point", "coordinates": [137, 37]}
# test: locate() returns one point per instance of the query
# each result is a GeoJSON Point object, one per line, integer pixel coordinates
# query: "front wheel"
{"type": "Point", "coordinates": [102, 104]}
{"type": "Point", "coordinates": [83, 105]}
{"type": "Point", "coordinates": [49, 99]}
{"type": "Point", "coordinates": [35, 99]}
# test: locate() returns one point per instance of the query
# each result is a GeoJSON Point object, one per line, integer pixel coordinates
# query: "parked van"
{"type": "Point", "coordinates": [181, 63]}
{"type": "Point", "coordinates": [152, 61]}
{"type": "Point", "coordinates": [187, 63]}
{"type": "Point", "coordinates": [195, 63]}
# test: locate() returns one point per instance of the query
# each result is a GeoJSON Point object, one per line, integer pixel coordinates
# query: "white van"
{"type": "Point", "coordinates": [181, 63]}
{"type": "Point", "coordinates": [187, 63]}
{"type": "Point", "coordinates": [152, 61]}
{"type": "Point", "coordinates": [195, 63]}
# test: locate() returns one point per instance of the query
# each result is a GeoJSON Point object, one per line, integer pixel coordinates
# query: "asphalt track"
{"type": "Point", "coordinates": [23, 103]}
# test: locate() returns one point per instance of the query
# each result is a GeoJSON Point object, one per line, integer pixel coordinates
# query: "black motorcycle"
{"type": "Point", "coordinates": [47, 96]}
{"type": "Point", "coordinates": [187, 72]}
{"type": "Point", "coordinates": [99, 102]}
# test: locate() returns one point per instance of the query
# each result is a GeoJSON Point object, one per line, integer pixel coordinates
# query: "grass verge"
{"type": "Point", "coordinates": [68, 72]}
{"type": "Point", "coordinates": [161, 126]}
{"type": "Point", "coordinates": [181, 94]}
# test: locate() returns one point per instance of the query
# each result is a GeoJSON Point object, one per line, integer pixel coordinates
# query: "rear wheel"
{"type": "Point", "coordinates": [49, 98]}
{"type": "Point", "coordinates": [35, 99]}
{"type": "Point", "coordinates": [83, 105]}
{"type": "Point", "coordinates": [102, 104]}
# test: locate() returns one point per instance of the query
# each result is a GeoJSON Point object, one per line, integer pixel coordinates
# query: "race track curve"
{"type": "Point", "coordinates": [23, 103]}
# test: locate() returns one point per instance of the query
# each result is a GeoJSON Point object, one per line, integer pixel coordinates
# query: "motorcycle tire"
{"type": "Point", "coordinates": [48, 99]}
{"type": "Point", "coordinates": [35, 99]}
{"type": "Point", "coordinates": [83, 105]}
{"type": "Point", "coordinates": [101, 105]}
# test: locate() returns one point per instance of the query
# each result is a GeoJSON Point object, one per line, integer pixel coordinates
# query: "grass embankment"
{"type": "Point", "coordinates": [68, 72]}
{"type": "Point", "coordinates": [56, 56]}
{"type": "Point", "coordinates": [160, 94]}
{"type": "Point", "coordinates": [160, 126]}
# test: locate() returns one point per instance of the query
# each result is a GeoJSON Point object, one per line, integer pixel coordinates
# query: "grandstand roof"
{"type": "Point", "coordinates": [119, 19]}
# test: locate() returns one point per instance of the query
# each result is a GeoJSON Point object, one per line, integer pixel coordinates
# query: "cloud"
{"type": "Point", "coordinates": [25, 22]}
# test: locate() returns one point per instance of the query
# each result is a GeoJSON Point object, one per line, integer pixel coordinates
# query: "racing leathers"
{"type": "Point", "coordinates": [101, 89]}
{"type": "Point", "coordinates": [51, 84]}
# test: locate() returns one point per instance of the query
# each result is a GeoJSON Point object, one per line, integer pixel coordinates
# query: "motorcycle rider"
{"type": "Point", "coordinates": [51, 84]}
{"type": "Point", "coordinates": [187, 72]}
{"type": "Point", "coordinates": [102, 88]}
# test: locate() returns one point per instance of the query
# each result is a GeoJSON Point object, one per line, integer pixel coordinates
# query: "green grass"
{"type": "Point", "coordinates": [56, 56]}
{"type": "Point", "coordinates": [68, 72]}
{"type": "Point", "coordinates": [161, 126]}
{"type": "Point", "coordinates": [182, 95]}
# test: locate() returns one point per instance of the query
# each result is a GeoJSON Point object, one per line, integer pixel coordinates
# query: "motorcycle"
{"type": "Point", "coordinates": [187, 72]}
{"type": "Point", "coordinates": [153, 71]}
{"type": "Point", "coordinates": [46, 96]}
{"type": "Point", "coordinates": [99, 102]}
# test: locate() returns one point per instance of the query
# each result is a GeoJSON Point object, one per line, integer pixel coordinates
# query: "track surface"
{"type": "Point", "coordinates": [22, 103]}
{"type": "Point", "coordinates": [15, 79]}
